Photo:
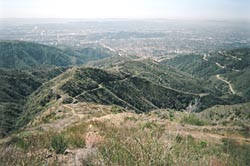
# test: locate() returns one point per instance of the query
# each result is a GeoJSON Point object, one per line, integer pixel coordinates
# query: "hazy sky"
{"type": "Point", "coordinates": [198, 9]}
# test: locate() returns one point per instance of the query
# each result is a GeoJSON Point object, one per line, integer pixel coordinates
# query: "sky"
{"type": "Point", "coordinates": [170, 9]}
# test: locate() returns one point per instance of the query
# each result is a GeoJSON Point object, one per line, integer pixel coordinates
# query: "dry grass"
{"type": "Point", "coordinates": [128, 139]}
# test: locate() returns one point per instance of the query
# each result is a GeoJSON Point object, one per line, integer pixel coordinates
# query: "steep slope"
{"type": "Point", "coordinates": [195, 65]}
{"type": "Point", "coordinates": [154, 72]}
{"type": "Point", "coordinates": [88, 52]}
{"type": "Point", "coordinates": [25, 66]}
{"type": "Point", "coordinates": [213, 63]}
{"type": "Point", "coordinates": [238, 114]}
{"type": "Point", "coordinates": [93, 134]}
{"type": "Point", "coordinates": [15, 87]}
{"type": "Point", "coordinates": [226, 70]}
{"type": "Point", "coordinates": [240, 81]}
{"type": "Point", "coordinates": [110, 87]}
{"type": "Point", "coordinates": [128, 90]}
{"type": "Point", "coordinates": [21, 55]}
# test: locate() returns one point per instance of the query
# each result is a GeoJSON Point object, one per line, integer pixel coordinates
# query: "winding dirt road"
{"type": "Point", "coordinates": [74, 112]}
{"type": "Point", "coordinates": [227, 82]}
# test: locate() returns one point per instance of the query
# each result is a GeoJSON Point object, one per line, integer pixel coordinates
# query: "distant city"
{"type": "Point", "coordinates": [145, 38]}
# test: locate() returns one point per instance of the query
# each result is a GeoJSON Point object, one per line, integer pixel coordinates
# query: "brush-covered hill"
{"type": "Point", "coordinates": [219, 68]}
{"type": "Point", "coordinates": [138, 93]}
{"type": "Point", "coordinates": [15, 87]}
{"type": "Point", "coordinates": [212, 63]}
{"type": "Point", "coordinates": [169, 76]}
{"type": "Point", "coordinates": [89, 115]}
{"type": "Point", "coordinates": [155, 72]}
{"type": "Point", "coordinates": [25, 66]}
{"type": "Point", "coordinates": [93, 134]}
{"type": "Point", "coordinates": [23, 55]}
{"type": "Point", "coordinates": [19, 54]}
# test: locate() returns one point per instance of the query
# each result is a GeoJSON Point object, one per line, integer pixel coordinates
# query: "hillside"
{"type": "Point", "coordinates": [224, 69]}
{"type": "Point", "coordinates": [234, 115]}
{"type": "Point", "coordinates": [159, 74]}
{"type": "Point", "coordinates": [25, 66]}
{"type": "Point", "coordinates": [111, 87]}
{"type": "Point", "coordinates": [87, 53]}
{"type": "Point", "coordinates": [18, 54]}
{"type": "Point", "coordinates": [94, 134]}
{"type": "Point", "coordinates": [88, 106]}
{"type": "Point", "coordinates": [15, 87]}
{"type": "Point", "coordinates": [23, 55]}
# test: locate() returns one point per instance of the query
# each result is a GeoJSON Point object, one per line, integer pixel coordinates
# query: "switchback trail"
{"type": "Point", "coordinates": [227, 82]}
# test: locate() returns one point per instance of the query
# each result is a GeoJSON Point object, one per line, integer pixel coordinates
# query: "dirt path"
{"type": "Point", "coordinates": [205, 57]}
{"type": "Point", "coordinates": [220, 66]}
{"type": "Point", "coordinates": [227, 82]}
{"type": "Point", "coordinates": [74, 112]}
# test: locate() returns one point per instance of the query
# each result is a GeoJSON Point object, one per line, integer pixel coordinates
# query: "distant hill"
{"type": "Point", "coordinates": [19, 54]}
{"type": "Point", "coordinates": [23, 55]}
{"type": "Point", "coordinates": [87, 53]}
{"type": "Point", "coordinates": [233, 66]}
{"type": "Point", "coordinates": [213, 63]}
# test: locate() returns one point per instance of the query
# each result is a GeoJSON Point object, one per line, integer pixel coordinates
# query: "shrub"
{"type": "Point", "coordinates": [133, 146]}
{"type": "Point", "coordinates": [238, 153]}
{"type": "Point", "coordinates": [192, 120]}
{"type": "Point", "coordinates": [128, 118]}
{"type": "Point", "coordinates": [76, 135]}
{"type": "Point", "coordinates": [67, 100]}
{"type": "Point", "coordinates": [117, 109]}
{"type": "Point", "coordinates": [18, 142]}
{"type": "Point", "coordinates": [59, 144]}
{"type": "Point", "coordinates": [171, 115]}
{"type": "Point", "coordinates": [178, 138]}
{"type": "Point", "coordinates": [202, 144]}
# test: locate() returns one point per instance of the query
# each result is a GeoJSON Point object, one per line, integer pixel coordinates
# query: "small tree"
{"type": "Point", "coordinates": [59, 144]}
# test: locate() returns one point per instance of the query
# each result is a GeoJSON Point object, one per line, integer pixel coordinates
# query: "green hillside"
{"type": "Point", "coordinates": [238, 114]}
{"type": "Point", "coordinates": [127, 90]}
{"type": "Point", "coordinates": [110, 87]}
{"type": "Point", "coordinates": [194, 65]}
{"type": "Point", "coordinates": [154, 72]}
{"type": "Point", "coordinates": [233, 66]}
{"type": "Point", "coordinates": [240, 80]}
{"type": "Point", "coordinates": [23, 55]}
{"type": "Point", "coordinates": [17, 54]}
{"type": "Point", "coordinates": [26, 66]}
{"type": "Point", "coordinates": [15, 87]}
{"type": "Point", "coordinates": [198, 65]}
{"type": "Point", "coordinates": [85, 54]}
{"type": "Point", "coordinates": [122, 110]}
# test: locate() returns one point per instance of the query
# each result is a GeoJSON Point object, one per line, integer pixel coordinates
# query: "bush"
{"type": "Point", "coordinates": [18, 142]}
{"type": "Point", "coordinates": [117, 109]}
{"type": "Point", "coordinates": [59, 144]}
{"type": "Point", "coordinates": [238, 153]}
{"type": "Point", "coordinates": [178, 138]}
{"type": "Point", "coordinates": [171, 115]}
{"type": "Point", "coordinates": [67, 100]}
{"type": "Point", "coordinates": [192, 120]}
{"type": "Point", "coordinates": [133, 146]}
{"type": "Point", "coordinates": [76, 135]}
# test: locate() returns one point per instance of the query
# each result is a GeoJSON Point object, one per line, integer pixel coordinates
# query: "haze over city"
{"type": "Point", "coordinates": [170, 9]}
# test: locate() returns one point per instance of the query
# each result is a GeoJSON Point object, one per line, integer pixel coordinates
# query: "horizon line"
{"type": "Point", "coordinates": [135, 18]}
